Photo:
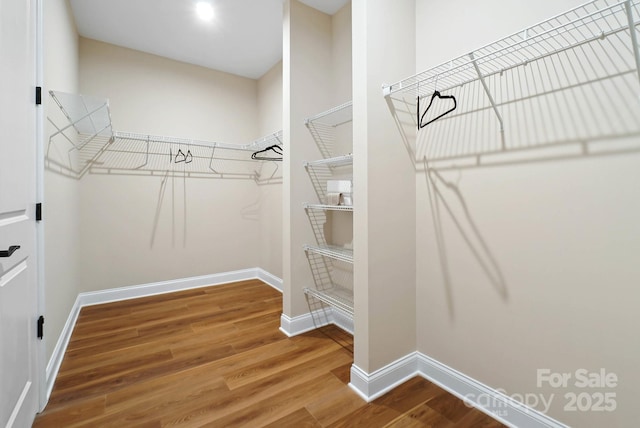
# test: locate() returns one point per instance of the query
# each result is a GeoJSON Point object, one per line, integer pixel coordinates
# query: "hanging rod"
{"type": "Point", "coordinates": [275, 138]}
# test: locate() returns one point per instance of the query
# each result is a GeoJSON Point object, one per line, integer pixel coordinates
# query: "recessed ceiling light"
{"type": "Point", "coordinates": [204, 10]}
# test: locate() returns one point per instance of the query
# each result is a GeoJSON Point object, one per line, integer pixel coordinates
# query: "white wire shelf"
{"type": "Point", "coordinates": [337, 161]}
{"type": "Point", "coordinates": [324, 129]}
{"type": "Point", "coordinates": [600, 22]}
{"type": "Point", "coordinates": [325, 207]}
{"type": "Point", "coordinates": [335, 116]}
{"type": "Point", "coordinates": [570, 80]}
{"type": "Point", "coordinates": [332, 251]}
{"type": "Point", "coordinates": [85, 141]}
{"type": "Point", "coordinates": [337, 297]}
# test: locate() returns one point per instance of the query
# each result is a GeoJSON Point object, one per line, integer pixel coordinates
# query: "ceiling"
{"type": "Point", "coordinates": [244, 37]}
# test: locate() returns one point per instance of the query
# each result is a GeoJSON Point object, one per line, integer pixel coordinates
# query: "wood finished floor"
{"type": "Point", "coordinates": [214, 357]}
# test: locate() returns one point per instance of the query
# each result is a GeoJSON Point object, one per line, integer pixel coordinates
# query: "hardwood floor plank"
{"type": "Point", "coordinates": [369, 416]}
{"type": "Point", "coordinates": [420, 416]}
{"type": "Point", "coordinates": [265, 389]}
{"type": "Point", "coordinates": [279, 405]}
{"type": "Point", "coordinates": [269, 366]}
{"type": "Point", "coordinates": [300, 418]}
{"type": "Point", "coordinates": [449, 406]}
{"type": "Point", "coordinates": [68, 416]}
{"type": "Point", "coordinates": [333, 407]}
{"type": "Point", "coordinates": [214, 356]}
{"type": "Point", "coordinates": [410, 394]}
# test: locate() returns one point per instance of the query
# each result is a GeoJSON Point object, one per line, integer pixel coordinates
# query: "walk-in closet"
{"type": "Point", "coordinates": [327, 213]}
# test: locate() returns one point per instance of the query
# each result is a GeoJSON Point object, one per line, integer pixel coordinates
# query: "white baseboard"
{"type": "Point", "coordinates": [269, 278]}
{"type": "Point", "coordinates": [61, 346]}
{"type": "Point", "coordinates": [373, 385]}
{"type": "Point", "coordinates": [476, 394]}
{"type": "Point", "coordinates": [312, 320]}
{"type": "Point", "coordinates": [343, 321]}
{"type": "Point", "coordinates": [144, 290]}
{"type": "Point", "coordinates": [304, 323]}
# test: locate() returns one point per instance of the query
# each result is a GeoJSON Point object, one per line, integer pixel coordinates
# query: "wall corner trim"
{"type": "Point", "coordinates": [143, 290]}
{"type": "Point", "coordinates": [476, 394]}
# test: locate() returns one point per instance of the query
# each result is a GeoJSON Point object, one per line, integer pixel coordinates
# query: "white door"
{"type": "Point", "coordinates": [18, 283]}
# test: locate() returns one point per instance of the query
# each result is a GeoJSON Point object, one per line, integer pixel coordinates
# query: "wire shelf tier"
{"type": "Point", "coordinates": [323, 128]}
{"type": "Point", "coordinates": [570, 80]}
{"type": "Point", "coordinates": [332, 251]}
{"type": "Point", "coordinates": [337, 297]}
{"type": "Point", "coordinates": [324, 207]}
{"type": "Point", "coordinates": [130, 152]}
{"type": "Point", "coordinates": [603, 22]}
{"type": "Point", "coordinates": [344, 160]}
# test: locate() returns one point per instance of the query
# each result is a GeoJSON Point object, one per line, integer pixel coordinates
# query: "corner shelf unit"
{"type": "Point", "coordinates": [329, 262]}
{"type": "Point", "coordinates": [85, 137]}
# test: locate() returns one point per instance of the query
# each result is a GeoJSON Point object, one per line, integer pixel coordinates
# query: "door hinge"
{"type": "Point", "coordinates": [38, 95]}
{"type": "Point", "coordinates": [39, 211]}
{"type": "Point", "coordinates": [41, 327]}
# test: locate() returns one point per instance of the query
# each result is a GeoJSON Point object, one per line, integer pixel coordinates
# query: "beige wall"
{"type": "Point", "coordinates": [270, 114]}
{"type": "Point", "coordinates": [341, 58]}
{"type": "Point", "coordinates": [131, 231]}
{"type": "Point", "coordinates": [61, 193]}
{"type": "Point", "coordinates": [559, 241]}
{"type": "Point", "coordinates": [307, 75]}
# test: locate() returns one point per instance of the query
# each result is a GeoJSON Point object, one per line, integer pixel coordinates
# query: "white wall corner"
{"type": "Point", "coordinates": [269, 278]}
{"type": "Point", "coordinates": [343, 321]}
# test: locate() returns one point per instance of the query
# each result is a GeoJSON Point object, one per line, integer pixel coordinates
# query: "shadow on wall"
{"type": "Point", "coordinates": [567, 102]}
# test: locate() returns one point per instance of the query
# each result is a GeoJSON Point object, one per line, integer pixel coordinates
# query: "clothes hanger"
{"type": "Point", "coordinates": [180, 157]}
{"type": "Point", "coordinates": [436, 94]}
{"type": "Point", "coordinates": [275, 148]}
{"type": "Point", "coordinates": [188, 157]}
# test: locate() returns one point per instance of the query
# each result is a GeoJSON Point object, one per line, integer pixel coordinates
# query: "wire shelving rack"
{"type": "Point", "coordinates": [572, 78]}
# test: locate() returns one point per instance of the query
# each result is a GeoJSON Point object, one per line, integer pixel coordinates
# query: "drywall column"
{"type": "Point", "coordinates": [307, 75]}
{"type": "Point", "coordinates": [384, 187]}
{"type": "Point", "coordinates": [270, 207]}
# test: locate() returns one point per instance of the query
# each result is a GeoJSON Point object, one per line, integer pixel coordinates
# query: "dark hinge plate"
{"type": "Point", "coordinates": [41, 327]}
